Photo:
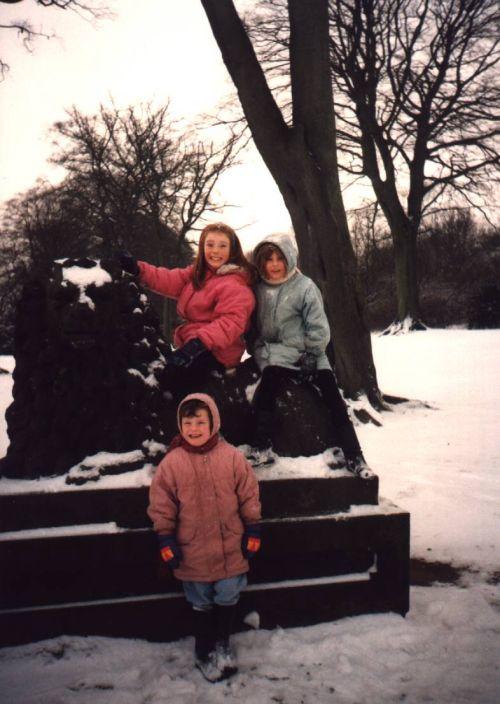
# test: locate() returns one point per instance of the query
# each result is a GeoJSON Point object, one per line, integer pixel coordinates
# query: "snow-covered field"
{"type": "Point", "coordinates": [440, 463]}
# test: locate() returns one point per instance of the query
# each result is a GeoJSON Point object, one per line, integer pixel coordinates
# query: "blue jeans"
{"type": "Point", "coordinates": [224, 592]}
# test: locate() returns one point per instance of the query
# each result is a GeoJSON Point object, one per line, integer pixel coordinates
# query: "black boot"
{"type": "Point", "coordinates": [204, 645]}
{"type": "Point", "coordinates": [357, 465]}
{"type": "Point", "coordinates": [261, 454]}
{"type": "Point", "coordinates": [226, 657]}
{"type": "Point", "coordinates": [347, 440]}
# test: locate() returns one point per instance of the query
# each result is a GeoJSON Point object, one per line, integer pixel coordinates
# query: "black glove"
{"type": "Point", "coordinates": [128, 263]}
{"type": "Point", "coordinates": [307, 364]}
{"type": "Point", "coordinates": [185, 355]}
{"type": "Point", "coordinates": [170, 552]}
{"type": "Point", "coordinates": [250, 541]}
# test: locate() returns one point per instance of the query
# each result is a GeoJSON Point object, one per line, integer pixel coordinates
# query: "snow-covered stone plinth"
{"type": "Point", "coordinates": [92, 393]}
{"type": "Point", "coordinates": [329, 550]}
{"type": "Point", "coordinates": [86, 396]}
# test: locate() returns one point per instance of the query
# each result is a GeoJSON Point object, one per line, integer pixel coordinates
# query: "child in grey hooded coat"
{"type": "Point", "coordinates": [292, 333]}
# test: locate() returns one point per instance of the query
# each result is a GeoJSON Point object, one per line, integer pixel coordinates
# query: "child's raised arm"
{"type": "Point", "coordinates": [168, 282]}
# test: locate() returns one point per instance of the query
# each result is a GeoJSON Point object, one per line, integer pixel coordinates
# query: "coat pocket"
{"type": "Point", "coordinates": [186, 534]}
{"type": "Point", "coordinates": [234, 526]}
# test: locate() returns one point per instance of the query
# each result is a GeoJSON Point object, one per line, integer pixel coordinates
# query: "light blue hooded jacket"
{"type": "Point", "coordinates": [290, 315]}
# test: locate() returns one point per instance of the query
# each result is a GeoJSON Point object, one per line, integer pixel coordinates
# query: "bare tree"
{"type": "Point", "coordinates": [132, 182]}
{"type": "Point", "coordinates": [303, 161]}
{"type": "Point", "coordinates": [146, 185]}
{"type": "Point", "coordinates": [417, 105]}
{"type": "Point", "coordinates": [27, 31]}
{"type": "Point", "coordinates": [134, 162]}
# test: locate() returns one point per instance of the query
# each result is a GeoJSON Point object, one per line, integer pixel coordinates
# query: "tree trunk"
{"type": "Point", "coordinates": [405, 254]}
{"type": "Point", "coordinates": [303, 162]}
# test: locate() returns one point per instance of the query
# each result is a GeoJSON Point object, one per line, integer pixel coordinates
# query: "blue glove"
{"type": "Point", "coordinates": [250, 541]}
{"type": "Point", "coordinates": [186, 355]}
{"type": "Point", "coordinates": [170, 552]}
{"type": "Point", "coordinates": [128, 263]}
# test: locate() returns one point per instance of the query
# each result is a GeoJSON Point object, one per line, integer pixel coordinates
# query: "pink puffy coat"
{"type": "Point", "coordinates": [218, 313]}
{"type": "Point", "coordinates": [205, 500]}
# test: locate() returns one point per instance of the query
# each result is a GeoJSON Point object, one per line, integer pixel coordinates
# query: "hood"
{"type": "Point", "coordinates": [208, 400]}
{"type": "Point", "coordinates": [286, 245]}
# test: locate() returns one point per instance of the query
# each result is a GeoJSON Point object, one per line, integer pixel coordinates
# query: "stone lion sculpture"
{"type": "Point", "coordinates": [91, 393]}
{"type": "Point", "coordinates": [88, 357]}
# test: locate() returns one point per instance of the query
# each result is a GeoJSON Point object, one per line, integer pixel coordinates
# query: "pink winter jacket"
{"type": "Point", "coordinates": [205, 500]}
{"type": "Point", "coordinates": [218, 313]}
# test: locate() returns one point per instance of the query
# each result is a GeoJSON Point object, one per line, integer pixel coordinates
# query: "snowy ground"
{"type": "Point", "coordinates": [440, 463]}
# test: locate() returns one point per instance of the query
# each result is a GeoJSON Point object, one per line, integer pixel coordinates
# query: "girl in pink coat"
{"type": "Point", "coordinates": [214, 299]}
{"type": "Point", "coordinates": [204, 504]}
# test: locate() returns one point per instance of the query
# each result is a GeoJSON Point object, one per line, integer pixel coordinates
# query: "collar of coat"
{"type": "Point", "coordinates": [229, 269]}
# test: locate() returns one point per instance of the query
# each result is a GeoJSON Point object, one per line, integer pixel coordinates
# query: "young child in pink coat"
{"type": "Point", "coordinates": [204, 504]}
{"type": "Point", "coordinates": [215, 300]}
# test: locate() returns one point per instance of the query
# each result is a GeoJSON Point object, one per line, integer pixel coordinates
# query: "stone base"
{"type": "Point", "coordinates": [311, 569]}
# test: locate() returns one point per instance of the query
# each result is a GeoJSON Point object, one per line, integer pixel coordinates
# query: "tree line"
{"type": "Point", "coordinates": [459, 259]}
{"type": "Point", "coordinates": [400, 94]}
{"type": "Point", "coordinates": [133, 180]}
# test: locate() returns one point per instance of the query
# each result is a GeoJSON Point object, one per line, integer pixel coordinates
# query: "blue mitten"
{"type": "Point", "coordinates": [307, 363]}
{"type": "Point", "coordinates": [170, 552]}
{"type": "Point", "coordinates": [185, 355]}
{"type": "Point", "coordinates": [250, 541]}
{"type": "Point", "coordinates": [128, 262]}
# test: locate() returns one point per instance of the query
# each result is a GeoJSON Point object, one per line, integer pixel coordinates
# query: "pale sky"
{"type": "Point", "coordinates": [153, 50]}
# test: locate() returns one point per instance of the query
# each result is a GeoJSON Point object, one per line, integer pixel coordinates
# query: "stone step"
{"type": "Point", "coordinates": [43, 578]}
{"type": "Point", "coordinates": [166, 617]}
{"type": "Point", "coordinates": [127, 506]}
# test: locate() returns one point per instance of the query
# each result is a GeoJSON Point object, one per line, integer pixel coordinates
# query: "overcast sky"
{"type": "Point", "coordinates": [153, 50]}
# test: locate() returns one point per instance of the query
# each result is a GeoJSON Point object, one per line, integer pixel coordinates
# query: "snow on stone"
{"type": "Point", "coordinates": [383, 508]}
{"type": "Point", "coordinates": [313, 581]}
{"type": "Point", "coordinates": [252, 619]}
{"type": "Point", "coordinates": [153, 447]}
{"type": "Point", "coordinates": [250, 390]}
{"type": "Point", "coordinates": [135, 478]}
{"type": "Point", "coordinates": [149, 380]}
{"type": "Point", "coordinates": [83, 277]}
{"type": "Point", "coordinates": [61, 531]}
{"type": "Point", "coordinates": [89, 468]}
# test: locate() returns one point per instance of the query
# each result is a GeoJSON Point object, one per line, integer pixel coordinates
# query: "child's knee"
{"type": "Point", "coordinates": [227, 591]}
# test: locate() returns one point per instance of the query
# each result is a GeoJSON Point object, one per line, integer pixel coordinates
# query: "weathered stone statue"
{"type": "Point", "coordinates": [91, 390]}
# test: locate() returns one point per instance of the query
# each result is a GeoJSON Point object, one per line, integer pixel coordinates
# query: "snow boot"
{"type": "Point", "coordinates": [334, 458]}
{"type": "Point", "coordinates": [261, 458]}
{"type": "Point", "coordinates": [357, 465]}
{"type": "Point", "coordinates": [204, 645]}
{"type": "Point", "coordinates": [225, 655]}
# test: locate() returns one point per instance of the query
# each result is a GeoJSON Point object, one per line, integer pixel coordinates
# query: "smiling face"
{"type": "Point", "coordinates": [275, 266]}
{"type": "Point", "coordinates": [196, 430]}
{"type": "Point", "coordinates": [217, 249]}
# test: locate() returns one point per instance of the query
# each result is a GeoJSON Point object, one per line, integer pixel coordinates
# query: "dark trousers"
{"type": "Point", "coordinates": [181, 381]}
{"type": "Point", "coordinates": [272, 380]}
